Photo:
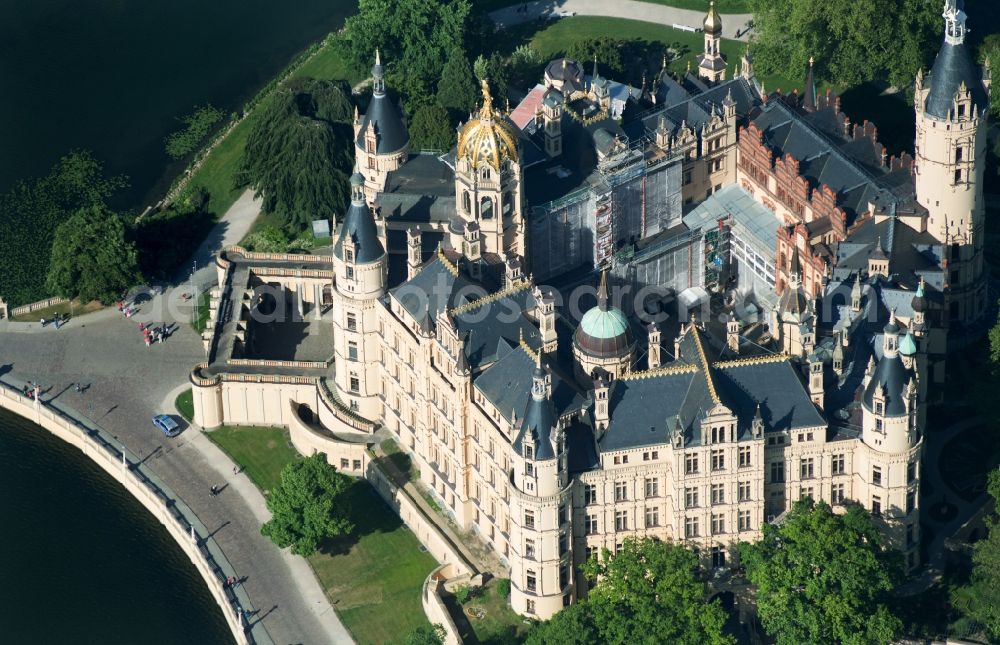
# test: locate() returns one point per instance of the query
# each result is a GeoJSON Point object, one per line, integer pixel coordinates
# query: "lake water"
{"type": "Point", "coordinates": [113, 75]}
{"type": "Point", "coordinates": [83, 562]}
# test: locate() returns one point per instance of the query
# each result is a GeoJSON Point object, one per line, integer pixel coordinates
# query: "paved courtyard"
{"type": "Point", "coordinates": [125, 383]}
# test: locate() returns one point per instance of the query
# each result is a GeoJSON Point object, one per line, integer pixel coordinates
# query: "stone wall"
{"type": "Point", "coordinates": [434, 607]}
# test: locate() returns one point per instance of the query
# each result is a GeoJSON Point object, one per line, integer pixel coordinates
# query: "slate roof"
{"type": "Point", "coordinates": [952, 67]}
{"type": "Point", "coordinates": [648, 410]}
{"type": "Point", "coordinates": [891, 374]}
{"type": "Point", "coordinates": [691, 105]}
{"type": "Point", "coordinates": [849, 167]}
{"type": "Point", "coordinates": [390, 131]}
{"type": "Point", "coordinates": [507, 385]}
{"type": "Point", "coordinates": [359, 225]}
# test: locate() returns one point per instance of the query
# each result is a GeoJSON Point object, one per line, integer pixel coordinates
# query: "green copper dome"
{"type": "Point", "coordinates": [908, 346]}
{"type": "Point", "coordinates": [604, 330]}
{"type": "Point", "coordinates": [604, 325]}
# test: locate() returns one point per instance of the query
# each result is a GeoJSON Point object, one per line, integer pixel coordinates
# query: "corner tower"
{"type": "Point", "coordinates": [951, 106]}
{"type": "Point", "coordinates": [381, 141]}
{"type": "Point", "coordinates": [359, 263]}
{"type": "Point", "coordinates": [488, 188]}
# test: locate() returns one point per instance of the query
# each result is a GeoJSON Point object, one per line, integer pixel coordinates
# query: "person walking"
{"type": "Point", "coordinates": [215, 490]}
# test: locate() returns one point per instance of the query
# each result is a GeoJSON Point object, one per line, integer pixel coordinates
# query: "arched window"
{"type": "Point", "coordinates": [486, 172]}
{"type": "Point", "coordinates": [507, 204]}
{"type": "Point", "coordinates": [466, 202]}
{"type": "Point", "coordinates": [486, 208]}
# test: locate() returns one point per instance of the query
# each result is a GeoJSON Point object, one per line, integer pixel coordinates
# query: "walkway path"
{"type": "Point", "coordinates": [734, 24]}
{"type": "Point", "coordinates": [127, 384]}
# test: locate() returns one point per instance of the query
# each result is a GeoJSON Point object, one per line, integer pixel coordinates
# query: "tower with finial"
{"type": "Point", "coordinates": [951, 104]}
{"type": "Point", "coordinates": [540, 558]}
{"type": "Point", "coordinates": [809, 92]}
{"type": "Point", "coordinates": [488, 186]}
{"type": "Point", "coordinates": [360, 266]}
{"type": "Point", "coordinates": [381, 141]}
{"type": "Point", "coordinates": [711, 62]}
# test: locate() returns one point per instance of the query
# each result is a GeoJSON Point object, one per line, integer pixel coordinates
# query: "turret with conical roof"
{"type": "Point", "coordinates": [359, 264]}
{"type": "Point", "coordinates": [381, 141]}
{"type": "Point", "coordinates": [952, 109]}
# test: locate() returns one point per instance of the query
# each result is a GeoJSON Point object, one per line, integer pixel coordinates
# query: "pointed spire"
{"type": "Point", "coordinates": [795, 271]}
{"type": "Point", "coordinates": [602, 291]}
{"type": "Point", "coordinates": [378, 76]}
{"type": "Point", "coordinates": [809, 100]}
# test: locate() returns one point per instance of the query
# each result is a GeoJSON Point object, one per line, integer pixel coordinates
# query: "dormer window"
{"type": "Point", "coordinates": [348, 255]}
{"type": "Point", "coordinates": [529, 452]}
{"type": "Point", "coordinates": [961, 110]}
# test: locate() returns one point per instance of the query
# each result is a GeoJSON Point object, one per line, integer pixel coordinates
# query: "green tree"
{"type": "Point", "coordinates": [457, 87]}
{"type": "Point", "coordinates": [980, 599]}
{"type": "Point", "coordinates": [607, 51]}
{"type": "Point", "coordinates": [990, 54]}
{"type": "Point", "coordinates": [430, 129]}
{"type": "Point", "coordinates": [573, 625]}
{"type": "Point", "coordinates": [416, 38]}
{"type": "Point", "coordinates": [299, 154]}
{"type": "Point", "coordinates": [823, 577]}
{"type": "Point", "coordinates": [648, 592]}
{"type": "Point", "coordinates": [93, 257]}
{"type": "Point", "coordinates": [428, 635]}
{"type": "Point", "coordinates": [197, 125]}
{"type": "Point", "coordinates": [847, 38]}
{"type": "Point", "coordinates": [308, 506]}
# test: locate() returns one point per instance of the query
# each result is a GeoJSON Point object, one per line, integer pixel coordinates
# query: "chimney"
{"type": "Point", "coordinates": [655, 359]}
{"type": "Point", "coordinates": [733, 335]}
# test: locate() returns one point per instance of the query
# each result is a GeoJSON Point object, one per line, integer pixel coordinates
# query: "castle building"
{"type": "Point", "coordinates": [818, 285]}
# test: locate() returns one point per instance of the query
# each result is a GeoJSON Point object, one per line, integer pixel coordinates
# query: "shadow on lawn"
{"type": "Point", "coordinates": [370, 514]}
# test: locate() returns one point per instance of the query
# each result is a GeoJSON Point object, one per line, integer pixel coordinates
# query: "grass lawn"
{"type": "Point", "coordinates": [375, 576]}
{"type": "Point", "coordinates": [261, 452]}
{"type": "Point", "coordinates": [499, 624]}
{"type": "Point", "coordinates": [185, 404]}
{"type": "Point", "coordinates": [216, 173]}
{"type": "Point", "coordinates": [204, 309]}
{"type": "Point", "coordinates": [73, 308]}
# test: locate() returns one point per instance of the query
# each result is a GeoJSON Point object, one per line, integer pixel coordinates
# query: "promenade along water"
{"type": "Point", "coordinates": [83, 562]}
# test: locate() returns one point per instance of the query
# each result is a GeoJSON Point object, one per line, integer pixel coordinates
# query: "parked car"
{"type": "Point", "coordinates": [166, 425]}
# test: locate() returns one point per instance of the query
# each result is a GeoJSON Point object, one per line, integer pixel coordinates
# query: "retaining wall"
{"type": "Point", "coordinates": [179, 520]}
{"type": "Point", "coordinates": [35, 306]}
{"type": "Point", "coordinates": [434, 607]}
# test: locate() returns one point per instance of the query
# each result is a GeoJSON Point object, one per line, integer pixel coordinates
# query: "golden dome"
{"type": "Point", "coordinates": [487, 137]}
{"type": "Point", "coordinates": [713, 21]}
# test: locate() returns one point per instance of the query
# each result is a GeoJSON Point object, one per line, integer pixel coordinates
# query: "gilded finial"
{"type": "Point", "coordinates": [810, 61]}
{"type": "Point", "coordinates": [664, 60]}
{"type": "Point", "coordinates": [378, 57]}
{"type": "Point", "coordinates": [487, 110]}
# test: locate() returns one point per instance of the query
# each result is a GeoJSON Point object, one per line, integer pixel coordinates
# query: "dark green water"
{"type": "Point", "coordinates": [83, 562]}
{"type": "Point", "coordinates": [112, 75]}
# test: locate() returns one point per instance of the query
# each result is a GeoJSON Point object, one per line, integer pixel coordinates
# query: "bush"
{"type": "Point", "coordinates": [463, 593]}
{"type": "Point", "coordinates": [503, 588]}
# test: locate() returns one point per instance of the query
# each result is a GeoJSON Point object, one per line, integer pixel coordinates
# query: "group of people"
{"type": "Point", "coordinates": [126, 309]}
{"type": "Point", "coordinates": [154, 334]}
{"type": "Point", "coordinates": [58, 320]}
{"type": "Point", "coordinates": [30, 389]}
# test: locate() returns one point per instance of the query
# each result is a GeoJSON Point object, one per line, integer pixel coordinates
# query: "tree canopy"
{"type": "Point", "coordinates": [823, 577]}
{"type": "Point", "coordinates": [980, 599]}
{"type": "Point", "coordinates": [419, 35]}
{"type": "Point", "coordinates": [457, 87]}
{"type": "Point", "coordinates": [300, 153]}
{"type": "Point", "coordinates": [93, 256]}
{"type": "Point", "coordinates": [430, 129]}
{"type": "Point", "coordinates": [30, 212]}
{"type": "Point", "coordinates": [647, 592]}
{"type": "Point", "coordinates": [852, 41]}
{"type": "Point", "coordinates": [308, 506]}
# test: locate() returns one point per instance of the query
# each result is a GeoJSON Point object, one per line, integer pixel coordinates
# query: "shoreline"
{"type": "Point", "coordinates": [161, 502]}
